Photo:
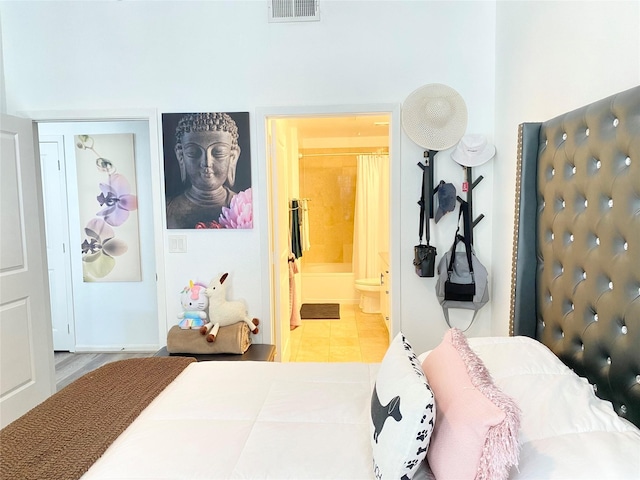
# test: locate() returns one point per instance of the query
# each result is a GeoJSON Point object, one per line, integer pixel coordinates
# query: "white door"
{"type": "Point", "coordinates": [26, 348]}
{"type": "Point", "coordinates": [57, 228]}
{"type": "Point", "coordinates": [281, 248]}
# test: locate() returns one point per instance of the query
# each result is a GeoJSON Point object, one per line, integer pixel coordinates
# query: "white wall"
{"type": "Point", "coordinates": [551, 57]}
{"type": "Point", "coordinates": [224, 56]}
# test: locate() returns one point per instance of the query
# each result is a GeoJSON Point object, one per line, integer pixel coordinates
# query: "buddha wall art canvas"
{"type": "Point", "coordinates": [207, 170]}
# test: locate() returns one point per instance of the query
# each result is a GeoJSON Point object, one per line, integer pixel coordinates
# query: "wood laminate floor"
{"type": "Point", "coordinates": [70, 366]}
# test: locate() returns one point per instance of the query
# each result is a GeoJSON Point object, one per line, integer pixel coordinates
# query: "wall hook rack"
{"type": "Point", "coordinates": [471, 185]}
{"type": "Point", "coordinates": [429, 156]}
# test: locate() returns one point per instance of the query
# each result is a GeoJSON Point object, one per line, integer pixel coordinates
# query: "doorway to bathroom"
{"type": "Point", "coordinates": [329, 178]}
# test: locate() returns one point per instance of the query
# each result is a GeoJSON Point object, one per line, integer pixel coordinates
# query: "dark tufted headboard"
{"type": "Point", "coordinates": [576, 252]}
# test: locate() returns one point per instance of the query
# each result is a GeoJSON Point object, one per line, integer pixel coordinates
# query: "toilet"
{"type": "Point", "coordinates": [369, 289]}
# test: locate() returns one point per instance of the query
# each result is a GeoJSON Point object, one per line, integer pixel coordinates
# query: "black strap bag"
{"type": "Point", "coordinates": [424, 256]}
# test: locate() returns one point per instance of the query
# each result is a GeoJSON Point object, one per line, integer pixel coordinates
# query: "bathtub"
{"type": "Point", "coordinates": [328, 283]}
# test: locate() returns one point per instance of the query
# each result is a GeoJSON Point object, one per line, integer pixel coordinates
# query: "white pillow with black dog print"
{"type": "Point", "coordinates": [402, 413]}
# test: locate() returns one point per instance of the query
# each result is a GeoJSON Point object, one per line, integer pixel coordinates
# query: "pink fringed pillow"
{"type": "Point", "coordinates": [476, 431]}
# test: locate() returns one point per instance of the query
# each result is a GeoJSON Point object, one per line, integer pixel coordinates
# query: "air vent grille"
{"type": "Point", "coordinates": [293, 11]}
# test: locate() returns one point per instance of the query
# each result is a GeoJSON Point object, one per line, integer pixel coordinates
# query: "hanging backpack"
{"type": "Point", "coordinates": [462, 279]}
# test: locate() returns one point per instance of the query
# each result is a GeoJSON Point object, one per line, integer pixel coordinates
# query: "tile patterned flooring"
{"type": "Point", "coordinates": [355, 337]}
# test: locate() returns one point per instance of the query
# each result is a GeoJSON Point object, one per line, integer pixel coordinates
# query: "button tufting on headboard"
{"type": "Point", "coordinates": [577, 230]}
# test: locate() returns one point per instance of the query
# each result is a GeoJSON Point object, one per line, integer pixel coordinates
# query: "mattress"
{"type": "Point", "coordinates": [254, 420]}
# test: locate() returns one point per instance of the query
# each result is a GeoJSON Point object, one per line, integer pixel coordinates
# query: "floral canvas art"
{"type": "Point", "coordinates": [108, 205]}
{"type": "Point", "coordinates": [207, 167]}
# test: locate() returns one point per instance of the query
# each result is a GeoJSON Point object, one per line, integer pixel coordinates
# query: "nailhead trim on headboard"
{"type": "Point", "coordinates": [516, 230]}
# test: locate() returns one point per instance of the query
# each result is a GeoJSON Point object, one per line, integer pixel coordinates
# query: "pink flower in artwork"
{"type": "Point", "coordinates": [240, 211]}
{"type": "Point", "coordinates": [116, 200]}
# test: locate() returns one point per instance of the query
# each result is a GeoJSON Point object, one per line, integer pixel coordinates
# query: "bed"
{"type": "Point", "coordinates": [561, 394]}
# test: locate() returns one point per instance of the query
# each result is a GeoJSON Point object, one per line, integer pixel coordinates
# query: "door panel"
{"type": "Point", "coordinates": [26, 347]}
{"type": "Point", "coordinates": [280, 212]}
{"type": "Point", "coordinates": [57, 238]}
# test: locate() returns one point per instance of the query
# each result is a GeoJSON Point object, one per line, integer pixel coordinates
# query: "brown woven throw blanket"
{"type": "Point", "coordinates": [234, 338]}
{"type": "Point", "coordinates": [64, 435]}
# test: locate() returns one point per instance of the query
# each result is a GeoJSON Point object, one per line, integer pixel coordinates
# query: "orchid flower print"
{"type": "Point", "coordinates": [114, 201]}
{"type": "Point", "coordinates": [99, 248]}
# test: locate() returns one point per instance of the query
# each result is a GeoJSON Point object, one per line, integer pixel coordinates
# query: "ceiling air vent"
{"type": "Point", "coordinates": [293, 11]}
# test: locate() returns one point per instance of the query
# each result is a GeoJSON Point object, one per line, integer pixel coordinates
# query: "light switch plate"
{"type": "Point", "coordinates": [177, 243]}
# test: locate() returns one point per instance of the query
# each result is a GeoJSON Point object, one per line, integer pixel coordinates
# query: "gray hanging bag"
{"type": "Point", "coordinates": [462, 279]}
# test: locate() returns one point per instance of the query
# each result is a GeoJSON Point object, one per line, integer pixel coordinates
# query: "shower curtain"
{"type": "Point", "coordinates": [369, 215]}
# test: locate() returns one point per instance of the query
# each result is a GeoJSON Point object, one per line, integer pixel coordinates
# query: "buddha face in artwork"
{"type": "Point", "coordinates": [207, 150]}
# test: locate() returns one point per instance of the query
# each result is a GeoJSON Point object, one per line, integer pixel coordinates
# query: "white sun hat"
{"type": "Point", "coordinates": [434, 116]}
{"type": "Point", "coordinates": [473, 150]}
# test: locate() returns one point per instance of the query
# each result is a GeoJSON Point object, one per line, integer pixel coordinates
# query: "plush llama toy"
{"type": "Point", "coordinates": [194, 304]}
{"type": "Point", "coordinates": [222, 312]}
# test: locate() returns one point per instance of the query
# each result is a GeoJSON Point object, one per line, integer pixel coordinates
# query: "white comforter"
{"type": "Point", "coordinates": [253, 420]}
{"type": "Point", "coordinates": [566, 431]}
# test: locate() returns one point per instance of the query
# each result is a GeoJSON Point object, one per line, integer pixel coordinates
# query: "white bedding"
{"type": "Point", "coordinates": [251, 420]}
{"type": "Point", "coordinates": [566, 432]}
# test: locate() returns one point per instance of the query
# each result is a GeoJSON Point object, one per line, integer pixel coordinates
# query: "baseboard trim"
{"type": "Point", "coordinates": [141, 348]}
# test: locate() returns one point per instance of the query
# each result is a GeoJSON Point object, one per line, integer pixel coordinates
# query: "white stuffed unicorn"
{"type": "Point", "coordinates": [222, 312]}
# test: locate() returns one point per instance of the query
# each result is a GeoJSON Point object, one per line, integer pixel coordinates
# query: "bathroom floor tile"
{"type": "Point", "coordinates": [309, 356]}
{"type": "Point", "coordinates": [356, 337]}
{"type": "Point", "coordinates": [344, 330]}
{"type": "Point", "coordinates": [372, 342]}
{"type": "Point", "coordinates": [317, 328]}
{"type": "Point", "coordinates": [372, 356]}
{"type": "Point", "coordinates": [347, 313]}
{"type": "Point", "coordinates": [344, 341]}
{"type": "Point", "coordinates": [345, 354]}
{"type": "Point", "coordinates": [297, 332]}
